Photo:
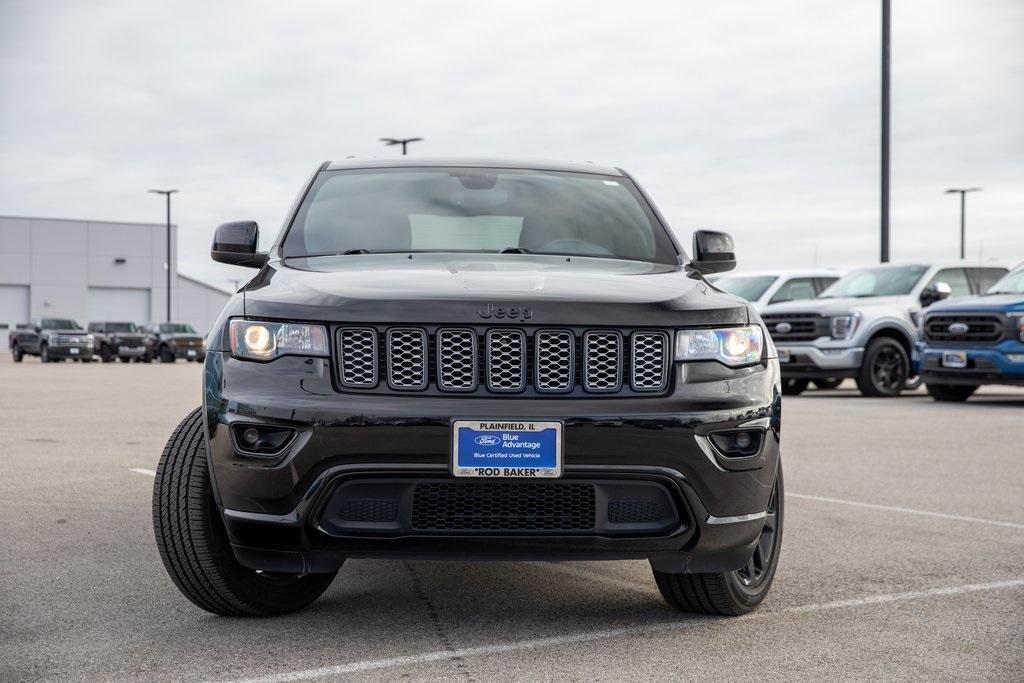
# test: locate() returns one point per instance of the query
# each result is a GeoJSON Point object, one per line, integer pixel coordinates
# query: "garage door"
{"type": "Point", "coordinates": [13, 309]}
{"type": "Point", "coordinates": [118, 303]}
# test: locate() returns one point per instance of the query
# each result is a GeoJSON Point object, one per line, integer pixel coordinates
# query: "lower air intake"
{"type": "Point", "coordinates": [503, 506]}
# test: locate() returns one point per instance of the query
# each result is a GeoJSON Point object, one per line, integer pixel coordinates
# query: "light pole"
{"type": "Point", "coordinates": [399, 141]}
{"type": "Point", "coordinates": [167, 193]}
{"type": "Point", "coordinates": [962, 191]}
{"type": "Point", "coordinates": [886, 16]}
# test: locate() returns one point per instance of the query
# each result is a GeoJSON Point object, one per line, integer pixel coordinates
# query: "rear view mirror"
{"type": "Point", "coordinates": [713, 252]}
{"type": "Point", "coordinates": [235, 243]}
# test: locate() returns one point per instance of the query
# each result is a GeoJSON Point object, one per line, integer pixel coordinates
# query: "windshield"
{"type": "Point", "coordinates": [121, 327]}
{"type": "Point", "coordinates": [1012, 283]}
{"type": "Point", "coordinates": [59, 324]}
{"type": "Point", "coordinates": [176, 328]}
{"type": "Point", "coordinates": [881, 281]}
{"type": "Point", "coordinates": [751, 287]}
{"type": "Point", "coordinates": [477, 210]}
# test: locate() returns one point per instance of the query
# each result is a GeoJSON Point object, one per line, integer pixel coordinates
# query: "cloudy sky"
{"type": "Point", "coordinates": [760, 118]}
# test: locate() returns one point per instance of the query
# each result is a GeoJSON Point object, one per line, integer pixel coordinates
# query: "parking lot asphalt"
{"type": "Point", "coordinates": [903, 558]}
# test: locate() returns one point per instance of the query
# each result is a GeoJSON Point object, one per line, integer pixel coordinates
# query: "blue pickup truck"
{"type": "Point", "coordinates": [970, 341]}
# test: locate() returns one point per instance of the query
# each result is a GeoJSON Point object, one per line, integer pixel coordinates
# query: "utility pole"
{"type": "Point", "coordinates": [962, 191]}
{"type": "Point", "coordinates": [400, 141]}
{"type": "Point", "coordinates": [886, 21]}
{"type": "Point", "coordinates": [167, 193]}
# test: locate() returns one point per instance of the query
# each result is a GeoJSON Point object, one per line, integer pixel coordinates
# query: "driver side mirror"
{"type": "Point", "coordinates": [713, 252]}
{"type": "Point", "coordinates": [235, 243]}
{"type": "Point", "coordinates": [937, 291]}
{"type": "Point", "coordinates": [38, 329]}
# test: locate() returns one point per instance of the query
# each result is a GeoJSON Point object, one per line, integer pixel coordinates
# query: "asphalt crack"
{"type": "Point", "coordinates": [459, 662]}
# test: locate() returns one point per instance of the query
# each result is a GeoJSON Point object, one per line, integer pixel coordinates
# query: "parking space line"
{"type": "Point", "coordinates": [911, 511]}
{"type": "Point", "coordinates": [590, 636]}
{"type": "Point", "coordinates": [142, 470]}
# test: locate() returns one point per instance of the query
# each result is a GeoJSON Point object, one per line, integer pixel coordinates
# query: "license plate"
{"type": "Point", "coordinates": [784, 356]}
{"type": "Point", "coordinates": [73, 352]}
{"type": "Point", "coordinates": [191, 353]}
{"type": "Point", "coordinates": [954, 359]}
{"type": "Point", "coordinates": [501, 448]}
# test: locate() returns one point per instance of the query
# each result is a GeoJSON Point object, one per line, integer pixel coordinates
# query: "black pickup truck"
{"type": "Point", "coordinates": [476, 360]}
{"type": "Point", "coordinates": [113, 340]}
{"type": "Point", "coordinates": [52, 339]}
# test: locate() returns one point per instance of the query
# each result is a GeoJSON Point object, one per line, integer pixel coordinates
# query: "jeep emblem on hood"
{"type": "Point", "coordinates": [510, 312]}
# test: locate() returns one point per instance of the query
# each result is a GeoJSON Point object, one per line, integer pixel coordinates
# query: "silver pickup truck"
{"type": "Point", "coordinates": [865, 325]}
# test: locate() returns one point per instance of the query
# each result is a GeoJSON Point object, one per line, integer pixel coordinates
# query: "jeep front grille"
{"type": "Point", "coordinates": [964, 328]}
{"type": "Point", "coordinates": [503, 360]}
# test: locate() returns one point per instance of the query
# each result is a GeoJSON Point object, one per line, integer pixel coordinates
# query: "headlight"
{"type": "Point", "coordinates": [842, 326]}
{"type": "Point", "coordinates": [1019, 317]}
{"type": "Point", "coordinates": [732, 346]}
{"type": "Point", "coordinates": [266, 340]}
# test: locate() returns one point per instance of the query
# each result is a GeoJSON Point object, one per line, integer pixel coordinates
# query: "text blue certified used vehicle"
{"type": "Point", "coordinates": [477, 360]}
{"type": "Point", "coordinates": [976, 340]}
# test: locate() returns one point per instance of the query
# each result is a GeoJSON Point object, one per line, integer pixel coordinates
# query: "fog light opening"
{"type": "Point", "coordinates": [260, 439]}
{"type": "Point", "coordinates": [738, 443]}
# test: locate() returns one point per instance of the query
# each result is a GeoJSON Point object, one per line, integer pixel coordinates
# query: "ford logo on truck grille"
{"type": "Point", "coordinates": [958, 329]}
{"type": "Point", "coordinates": [783, 328]}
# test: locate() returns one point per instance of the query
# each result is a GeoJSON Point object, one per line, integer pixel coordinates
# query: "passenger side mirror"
{"type": "Point", "coordinates": [936, 291]}
{"type": "Point", "coordinates": [713, 252]}
{"type": "Point", "coordinates": [38, 329]}
{"type": "Point", "coordinates": [235, 243]}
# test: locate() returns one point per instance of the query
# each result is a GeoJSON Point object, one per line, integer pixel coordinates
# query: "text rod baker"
{"type": "Point", "coordinates": [475, 359]}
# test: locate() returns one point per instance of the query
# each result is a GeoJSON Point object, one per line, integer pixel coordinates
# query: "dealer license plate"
{"type": "Point", "coordinates": [191, 353]}
{"type": "Point", "coordinates": [73, 352]}
{"type": "Point", "coordinates": [784, 356]}
{"type": "Point", "coordinates": [506, 448]}
{"type": "Point", "coordinates": [954, 359]}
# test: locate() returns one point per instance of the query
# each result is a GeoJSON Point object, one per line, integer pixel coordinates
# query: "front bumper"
{"type": "Point", "coordinates": [71, 351]}
{"type": "Point", "coordinates": [813, 362]}
{"type": "Point", "coordinates": [985, 365]}
{"type": "Point", "coordinates": [134, 351]}
{"type": "Point", "coordinates": [189, 352]}
{"type": "Point", "coordinates": [278, 511]}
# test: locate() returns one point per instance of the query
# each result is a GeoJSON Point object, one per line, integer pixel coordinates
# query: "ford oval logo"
{"type": "Point", "coordinates": [486, 440]}
{"type": "Point", "coordinates": [958, 329]}
{"type": "Point", "coordinates": [783, 328]}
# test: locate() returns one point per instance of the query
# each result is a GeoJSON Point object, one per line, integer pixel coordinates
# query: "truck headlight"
{"type": "Point", "coordinates": [732, 346]}
{"type": "Point", "coordinates": [842, 326]}
{"type": "Point", "coordinates": [1019, 318]}
{"type": "Point", "coordinates": [256, 340]}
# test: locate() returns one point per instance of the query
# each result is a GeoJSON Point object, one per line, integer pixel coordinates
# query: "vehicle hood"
{"type": "Point", "coordinates": [840, 306]}
{"type": "Point", "coordinates": [995, 303]}
{"type": "Point", "coordinates": [79, 333]}
{"type": "Point", "coordinates": [486, 289]}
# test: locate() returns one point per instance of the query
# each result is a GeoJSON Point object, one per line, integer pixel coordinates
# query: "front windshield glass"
{"type": "Point", "coordinates": [176, 328]}
{"type": "Point", "coordinates": [477, 210]}
{"type": "Point", "coordinates": [750, 287]}
{"type": "Point", "coordinates": [1012, 283]}
{"type": "Point", "coordinates": [59, 324]}
{"type": "Point", "coordinates": [880, 281]}
{"type": "Point", "coordinates": [121, 327]}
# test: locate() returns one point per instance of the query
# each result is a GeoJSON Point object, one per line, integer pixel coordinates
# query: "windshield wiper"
{"type": "Point", "coordinates": [350, 252]}
{"type": "Point", "coordinates": [514, 250]}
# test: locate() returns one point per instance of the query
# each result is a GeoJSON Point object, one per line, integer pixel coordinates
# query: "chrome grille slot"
{"type": "Point", "coordinates": [407, 358]}
{"type": "Point", "coordinates": [456, 359]}
{"type": "Point", "coordinates": [602, 361]}
{"type": "Point", "coordinates": [649, 368]}
{"type": "Point", "coordinates": [358, 349]}
{"type": "Point", "coordinates": [506, 360]}
{"type": "Point", "coordinates": [554, 360]}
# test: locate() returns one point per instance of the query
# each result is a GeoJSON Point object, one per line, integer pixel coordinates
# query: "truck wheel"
{"type": "Point", "coordinates": [793, 386]}
{"type": "Point", "coordinates": [956, 393]}
{"type": "Point", "coordinates": [885, 369]}
{"type": "Point", "coordinates": [166, 356]}
{"type": "Point", "coordinates": [16, 353]}
{"type": "Point", "coordinates": [44, 353]}
{"type": "Point", "coordinates": [194, 545]}
{"type": "Point", "coordinates": [831, 383]}
{"type": "Point", "coordinates": [736, 592]}
{"type": "Point", "coordinates": [105, 355]}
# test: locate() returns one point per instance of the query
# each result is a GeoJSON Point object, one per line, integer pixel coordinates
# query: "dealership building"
{"type": "Point", "coordinates": [96, 270]}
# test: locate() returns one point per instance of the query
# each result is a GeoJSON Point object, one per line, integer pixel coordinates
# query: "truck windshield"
{"type": "Point", "coordinates": [750, 287]}
{"type": "Point", "coordinates": [176, 328]}
{"type": "Point", "coordinates": [477, 210]}
{"type": "Point", "coordinates": [59, 324]}
{"type": "Point", "coordinates": [880, 281]}
{"type": "Point", "coordinates": [1012, 283]}
{"type": "Point", "coordinates": [121, 327]}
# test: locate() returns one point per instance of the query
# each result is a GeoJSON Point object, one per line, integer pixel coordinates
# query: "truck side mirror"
{"type": "Point", "coordinates": [936, 291]}
{"type": "Point", "coordinates": [713, 252]}
{"type": "Point", "coordinates": [235, 243]}
{"type": "Point", "coordinates": [38, 329]}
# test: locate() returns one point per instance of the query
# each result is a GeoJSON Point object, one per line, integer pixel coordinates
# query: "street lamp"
{"type": "Point", "coordinates": [399, 141]}
{"type": "Point", "coordinates": [962, 191]}
{"type": "Point", "coordinates": [167, 193]}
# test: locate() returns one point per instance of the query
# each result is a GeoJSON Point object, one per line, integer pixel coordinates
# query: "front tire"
{"type": "Point", "coordinates": [194, 545]}
{"type": "Point", "coordinates": [736, 592]}
{"type": "Point", "coordinates": [831, 383]}
{"type": "Point", "coordinates": [44, 353]}
{"type": "Point", "coordinates": [106, 355]}
{"type": "Point", "coordinates": [953, 393]}
{"type": "Point", "coordinates": [793, 386]}
{"type": "Point", "coordinates": [166, 355]}
{"type": "Point", "coordinates": [17, 354]}
{"type": "Point", "coordinates": [885, 370]}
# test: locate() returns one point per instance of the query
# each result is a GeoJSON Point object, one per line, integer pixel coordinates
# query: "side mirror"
{"type": "Point", "coordinates": [235, 243]}
{"type": "Point", "coordinates": [937, 291]}
{"type": "Point", "coordinates": [713, 252]}
{"type": "Point", "coordinates": [38, 329]}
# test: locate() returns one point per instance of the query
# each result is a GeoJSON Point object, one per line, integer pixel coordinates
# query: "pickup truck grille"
{"type": "Point", "coordinates": [503, 360]}
{"type": "Point", "coordinates": [71, 340]}
{"type": "Point", "coordinates": [793, 327]}
{"type": "Point", "coordinates": [964, 328]}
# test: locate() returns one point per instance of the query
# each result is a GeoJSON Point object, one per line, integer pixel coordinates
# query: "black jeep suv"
{"type": "Point", "coordinates": [475, 359]}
